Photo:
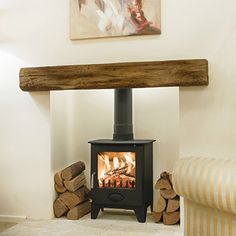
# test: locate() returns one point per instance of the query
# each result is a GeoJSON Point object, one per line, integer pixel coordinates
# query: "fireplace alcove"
{"type": "Point", "coordinates": [119, 76]}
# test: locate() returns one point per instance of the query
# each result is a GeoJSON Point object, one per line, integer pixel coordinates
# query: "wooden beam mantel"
{"type": "Point", "coordinates": [116, 75]}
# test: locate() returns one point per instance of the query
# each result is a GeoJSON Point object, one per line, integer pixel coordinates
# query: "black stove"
{"type": "Point", "coordinates": [122, 167]}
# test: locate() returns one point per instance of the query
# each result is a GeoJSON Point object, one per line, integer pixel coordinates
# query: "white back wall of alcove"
{"type": "Point", "coordinates": [81, 116]}
{"type": "Point", "coordinates": [34, 33]}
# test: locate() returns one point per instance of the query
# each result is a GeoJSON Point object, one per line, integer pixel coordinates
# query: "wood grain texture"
{"type": "Point", "coordinates": [59, 189]}
{"type": "Point", "coordinates": [173, 204]}
{"type": "Point", "coordinates": [58, 179]}
{"type": "Point", "coordinates": [79, 211]}
{"type": "Point", "coordinates": [59, 208]}
{"type": "Point", "coordinates": [161, 204]}
{"type": "Point", "coordinates": [74, 185]}
{"type": "Point", "coordinates": [168, 193]}
{"type": "Point", "coordinates": [171, 218]}
{"type": "Point", "coordinates": [116, 75]}
{"type": "Point", "coordinates": [72, 199]}
{"type": "Point", "coordinates": [157, 216]}
{"type": "Point", "coordinates": [163, 183]}
{"type": "Point", "coordinates": [73, 170]}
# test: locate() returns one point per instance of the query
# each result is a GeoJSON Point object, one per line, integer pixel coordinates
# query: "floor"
{"type": "Point", "coordinates": [109, 223]}
{"type": "Point", "coordinates": [4, 226]}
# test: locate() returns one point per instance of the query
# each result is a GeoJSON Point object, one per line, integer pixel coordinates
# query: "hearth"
{"type": "Point", "coordinates": [122, 167]}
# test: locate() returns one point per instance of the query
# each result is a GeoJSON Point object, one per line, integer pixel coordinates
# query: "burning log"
{"type": "Point", "coordinates": [168, 202]}
{"type": "Point", "coordinates": [118, 183]}
{"type": "Point", "coordinates": [121, 170]}
{"type": "Point", "coordinates": [115, 168]}
{"type": "Point", "coordinates": [127, 177]}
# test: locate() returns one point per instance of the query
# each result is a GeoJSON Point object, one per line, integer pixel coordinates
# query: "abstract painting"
{"type": "Point", "coordinates": [113, 18]}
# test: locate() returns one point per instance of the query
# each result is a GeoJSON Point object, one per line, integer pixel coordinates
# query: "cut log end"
{"type": "Point", "coordinates": [75, 183]}
{"type": "Point", "coordinates": [59, 189]}
{"type": "Point", "coordinates": [161, 204]}
{"type": "Point", "coordinates": [171, 218]}
{"type": "Point", "coordinates": [173, 204]}
{"type": "Point", "coordinates": [163, 183]}
{"type": "Point", "coordinates": [168, 193]}
{"type": "Point", "coordinates": [72, 199]}
{"type": "Point", "coordinates": [59, 208]}
{"type": "Point", "coordinates": [79, 211]}
{"type": "Point", "coordinates": [58, 179]}
{"type": "Point", "coordinates": [168, 204]}
{"type": "Point", "coordinates": [157, 216]}
{"type": "Point", "coordinates": [73, 170]}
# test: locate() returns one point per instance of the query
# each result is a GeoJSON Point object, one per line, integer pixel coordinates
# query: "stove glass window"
{"type": "Point", "coordinates": [116, 170]}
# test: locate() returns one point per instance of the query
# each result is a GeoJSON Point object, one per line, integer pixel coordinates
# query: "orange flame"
{"type": "Point", "coordinates": [116, 169]}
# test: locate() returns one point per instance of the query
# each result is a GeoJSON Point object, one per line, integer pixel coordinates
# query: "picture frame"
{"type": "Point", "coordinates": [114, 18]}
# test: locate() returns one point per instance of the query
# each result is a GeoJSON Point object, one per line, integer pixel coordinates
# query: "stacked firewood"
{"type": "Point", "coordinates": [73, 195]}
{"type": "Point", "coordinates": [168, 204]}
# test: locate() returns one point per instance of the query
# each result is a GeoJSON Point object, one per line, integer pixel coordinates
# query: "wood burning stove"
{"type": "Point", "coordinates": [122, 167]}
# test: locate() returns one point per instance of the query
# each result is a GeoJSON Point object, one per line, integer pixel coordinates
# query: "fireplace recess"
{"type": "Point", "coordinates": [138, 195]}
{"type": "Point", "coordinates": [122, 167]}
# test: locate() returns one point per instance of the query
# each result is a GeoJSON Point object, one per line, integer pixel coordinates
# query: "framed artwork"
{"type": "Point", "coordinates": [114, 18]}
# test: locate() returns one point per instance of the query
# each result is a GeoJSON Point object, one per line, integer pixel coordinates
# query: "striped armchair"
{"type": "Point", "coordinates": [208, 187]}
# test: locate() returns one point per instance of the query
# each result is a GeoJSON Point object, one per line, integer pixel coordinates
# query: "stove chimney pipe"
{"type": "Point", "coordinates": [123, 125]}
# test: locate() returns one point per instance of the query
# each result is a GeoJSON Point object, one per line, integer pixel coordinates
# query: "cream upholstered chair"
{"type": "Point", "coordinates": [208, 187]}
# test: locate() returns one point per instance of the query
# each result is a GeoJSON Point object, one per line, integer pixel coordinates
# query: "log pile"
{"type": "Point", "coordinates": [73, 195]}
{"type": "Point", "coordinates": [168, 204]}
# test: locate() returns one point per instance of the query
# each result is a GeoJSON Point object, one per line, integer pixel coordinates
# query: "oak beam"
{"type": "Point", "coordinates": [116, 75]}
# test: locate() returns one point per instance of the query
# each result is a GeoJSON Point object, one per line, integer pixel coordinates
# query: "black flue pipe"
{"type": "Point", "coordinates": [123, 118]}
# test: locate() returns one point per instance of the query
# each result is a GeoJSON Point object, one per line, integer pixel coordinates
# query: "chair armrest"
{"type": "Point", "coordinates": [207, 181]}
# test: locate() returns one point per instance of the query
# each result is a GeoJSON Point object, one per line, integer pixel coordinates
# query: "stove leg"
{"type": "Point", "coordinates": [94, 211]}
{"type": "Point", "coordinates": [141, 213]}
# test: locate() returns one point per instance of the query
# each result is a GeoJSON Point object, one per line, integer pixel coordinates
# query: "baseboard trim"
{"type": "Point", "coordinates": [12, 219]}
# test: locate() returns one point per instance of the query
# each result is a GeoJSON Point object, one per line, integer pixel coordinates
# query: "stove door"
{"type": "Point", "coordinates": [117, 174]}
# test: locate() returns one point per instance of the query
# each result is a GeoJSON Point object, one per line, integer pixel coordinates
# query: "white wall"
{"type": "Point", "coordinates": [25, 152]}
{"type": "Point", "coordinates": [34, 33]}
{"type": "Point", "coordinates": [208, 115]}
{"type": "Point", "coordinates": [25, 169]}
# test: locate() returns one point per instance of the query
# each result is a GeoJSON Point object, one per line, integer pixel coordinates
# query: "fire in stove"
{"type": "Point", "coordinates": [116, 170]}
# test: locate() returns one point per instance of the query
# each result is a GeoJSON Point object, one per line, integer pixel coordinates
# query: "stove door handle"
{"type": "Point", "coordinates": [92, 180]}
